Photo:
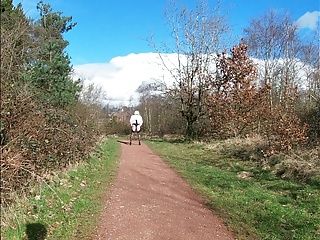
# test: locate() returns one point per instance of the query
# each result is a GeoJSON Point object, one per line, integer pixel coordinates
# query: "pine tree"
{"type": "Point", "coordinates": [49, 68]}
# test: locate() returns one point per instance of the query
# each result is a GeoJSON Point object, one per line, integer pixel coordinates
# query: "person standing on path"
{"type": "Point", "coordinates": [135, 122]}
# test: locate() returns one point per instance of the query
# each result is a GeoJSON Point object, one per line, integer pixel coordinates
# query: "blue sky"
{"type": "Point", "coordinates": [109, 28]}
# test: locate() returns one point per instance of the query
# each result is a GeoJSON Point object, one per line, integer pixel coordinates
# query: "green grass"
{"type": "Point", "coordinates": [260, 207]}
{"type": "Point", "coordinates": [67, 206]}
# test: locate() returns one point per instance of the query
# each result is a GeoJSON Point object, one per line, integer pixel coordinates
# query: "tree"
{"type": "Point", "coordinates": [14, 28]}
{"type": "Point", "coordinates": [14, 41]}
{"type": "Point", "coordinates": [239, 108]}
{"type": "Point", "coordinates": [145, 92]}
{"type": "Point", "coordinates": [290, 64]}
{"type": "Point", "coordinates": [158, 111]}
{"type": "Point", "coordinates": [36, 138]}
{"type": "Point", "coordinates": [90, 106]}
{"type": "Point", "coordinates": [236, 105]}
{"type": "Point", "coordinates": [93, 95]}
{"type": "Point", "coordinates": [197, 36]}
{"type": "Point", "coordinates": [310, 94]}
{"type": "Point", "coordinates": [273, 39]}
{"type": "Point", "coordinates": [49, 68]}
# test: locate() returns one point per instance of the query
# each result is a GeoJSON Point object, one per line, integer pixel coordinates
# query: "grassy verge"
{"type": "Point", "coordinates": [67, 206]}
{"type": "Point", "coordinates": [260, 206]}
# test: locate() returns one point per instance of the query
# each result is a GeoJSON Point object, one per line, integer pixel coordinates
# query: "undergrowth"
{"type": "Point", "coordinates": [67, 205]}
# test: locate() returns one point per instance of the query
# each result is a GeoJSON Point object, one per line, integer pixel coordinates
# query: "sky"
{"type": "Point", "coordinates": [109, 47]}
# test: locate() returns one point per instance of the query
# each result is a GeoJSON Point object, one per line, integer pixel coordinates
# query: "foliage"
{"type": "Point", "coordinates": [52, 77]}
{"type": "Point", "coordinates": [49, 68]}
{"type": "Point", "coordinates": [312, 118]}
{"type": "Point", "coordinates": [10, 14]}
{"type": "Point", "coordinates": [283, 128]}
{"type": "Point", "coordinates": [113, 127]}
{"type": "Point", "coordinates": [289, 64]}
{"type": "Point", "coordinates": [66, 205]}
{"type": "Point", "coordinates": [14, 28]}
{"type": "Point", "coordinates": [43, 140]}
{"type": "Point", "coordinates": [40, 133]}
{"type": "Point", "coordinates": [223, 95]}
{"type": "Point", "coordinates": [236, 106]}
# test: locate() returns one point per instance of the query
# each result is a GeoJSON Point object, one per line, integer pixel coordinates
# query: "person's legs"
{"type": "Point", "coordinates": [138, 132]}
{"type": "Point", "coordinates": [132, 131]}
{"type": "Point", "coordinates": [135, 130]}
{"type": "Point", "coordinates": [130, 138]}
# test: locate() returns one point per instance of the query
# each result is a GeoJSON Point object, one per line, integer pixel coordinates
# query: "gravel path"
{"type": "Point", "coordinates": [149, 200]}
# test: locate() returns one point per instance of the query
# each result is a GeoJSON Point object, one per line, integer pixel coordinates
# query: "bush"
{"type": "Point", "coordinates": [38, 140]}
{"type": "Point", "coordinates": [114, 127]}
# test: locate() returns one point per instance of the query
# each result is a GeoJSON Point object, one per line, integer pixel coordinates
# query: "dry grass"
{"type": "Point", "coordinates": [299, 164]}
{"type": "Point", "coordinates": [250, 148]}
{"type": "Point", "coordinates": [16, 214]}
{"type": "Point", "coordinates": [21, 208]}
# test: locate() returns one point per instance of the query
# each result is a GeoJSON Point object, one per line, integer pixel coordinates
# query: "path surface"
{"type": "Point", "coordinates": [150, 201]}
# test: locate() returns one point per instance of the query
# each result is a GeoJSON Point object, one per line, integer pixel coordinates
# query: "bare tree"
{"type": "Point", "coordinates": [310, 55]}
{"type": "Point", "coordinates": [144, 92]}
{"type": "Point", "coordinates": [310, 98]}
{"type": "Point", "coordinates": [93, 95]}
{"type": "Point", "coordinates": [14, 44]}
{"type": "Point", "coordinates": [197, 36]}
{"type": "Point", "coordinates": [159, 111]}
{"type": "Point", "coordinates": [273, 39]}
{"type": "Point", "coordinates": [290, 63]}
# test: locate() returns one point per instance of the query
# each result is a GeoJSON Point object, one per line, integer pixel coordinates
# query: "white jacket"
{"type": "Point", "coordinates": [136, 119]}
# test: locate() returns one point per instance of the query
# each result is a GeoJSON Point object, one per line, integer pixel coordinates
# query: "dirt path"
{"type": "Point", "coordinates": [150, 201]}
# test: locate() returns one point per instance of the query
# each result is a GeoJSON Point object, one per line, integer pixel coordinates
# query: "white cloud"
{"type": "Point", "coordinates": [308, 20]}
{"type": "Point", "coordinates": [123, 75]}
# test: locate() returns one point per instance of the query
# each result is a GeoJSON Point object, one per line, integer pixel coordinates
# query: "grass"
{"type": "Point", "coordinates": [260, 206]}
{"type": "Point", "coordinates": [67, 206]}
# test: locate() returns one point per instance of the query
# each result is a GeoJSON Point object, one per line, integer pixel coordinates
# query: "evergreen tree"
{"type": "Point", "coordinates": [49, 68]}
